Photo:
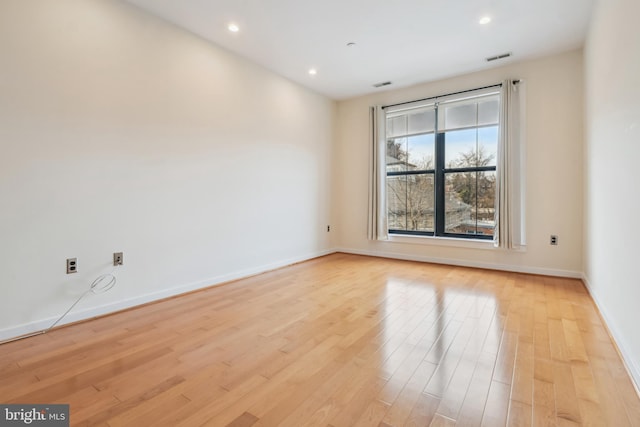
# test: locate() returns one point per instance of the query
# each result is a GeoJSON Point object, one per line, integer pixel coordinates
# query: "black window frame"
{"type": "Point", "coordinates": [439, 177]}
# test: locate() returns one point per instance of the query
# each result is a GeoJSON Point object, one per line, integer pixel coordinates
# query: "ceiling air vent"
{"type": "Point", "coordinates": [382, 84]}
{"type": "Point", "coordinates": [494, 58]}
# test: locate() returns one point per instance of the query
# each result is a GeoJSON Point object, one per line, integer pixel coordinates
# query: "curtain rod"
{"type": "Point", "coordinates": [446, 94]}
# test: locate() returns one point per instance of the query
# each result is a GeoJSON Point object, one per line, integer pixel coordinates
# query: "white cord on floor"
{"type": "Point", "coordinates": [98, 286]}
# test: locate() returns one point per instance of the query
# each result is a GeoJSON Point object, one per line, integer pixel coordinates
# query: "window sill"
{"type": "Point", "coordinates": [441, 241]}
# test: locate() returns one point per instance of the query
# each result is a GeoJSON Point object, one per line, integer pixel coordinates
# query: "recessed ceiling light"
{"type": "Point", "coordinates": [484, 20]}
{"type": "Point", "coordinates": [233, 28]}
{"type": "Point", "coordinates": [313, 71]}
{"type": "Point", "coordinates": [351, 44]}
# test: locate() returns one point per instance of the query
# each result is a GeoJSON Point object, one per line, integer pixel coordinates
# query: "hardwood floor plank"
{"type": "Point", "coordinates": [520, 414]}
{"type": "Point", "coordinates": [402, 406]}
{"type": "Point", "coordinates": [544, 394]}
{"type": "Point", "coordinates": [472, 361]}
{"type": "Point", "coordinates": [79, 377]}
{"type": "Point", "coordinates": [557, 341]}
{"type": "Point", "coordinates": [506, 358]}
{"type": "Point", "coordinates": [543, 416]}
{"type": "Point", "coordinates": [565, 392]}
{"type": "Point", "coordinates": [624, 389]}
{"type": "Point", "coordinates": [541, 341]}
{"type": "Point", "coordinates": [101, 416]}
{"type": "Point", "coordinates": [583, 380]}
{"type": "Point", "coordinates": [497, 406]}
{"type": "Point", "coordinates": [476, 398]}
{"type": "Point", "coordinates": [522, 390]}
{"type": "Point", "coordinates": [423, 412]}
{"type": "Point", "coordinates": [348, 414]}
{"type": "Point", "coordinates": [373, 414]}
{"type": "Point", "coordinates": [575, 348]}
{"type": "Point", "coordinates": [244, 420]}
{"type": "Point", "coordinates": [613, 405]}
{"type": "Point", "coordinates": [442, 421]}
{"type": "Point", "coordinates": [306, 399]}
{"type": "Point", "coordinates": [591, 413]}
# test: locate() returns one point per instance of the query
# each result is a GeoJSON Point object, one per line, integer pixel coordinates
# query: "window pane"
{"type": "Point", "coordinates": [420, 202]}
{"type": "Point", "coordinates": [397, 202]}
{"type": "Point", "coordinates": [421, 151]}
{"type": "Point", "coordinates": [460, 148]}
{"type": "Point", "coordinates": [488, 146]}
{"type": "Point", "coordinates": [459, 201]}
{"type": "Point", "coordinates": [460, 115]}
{"type": "Point", "coordinates": [422, 121]}
{"type": "Point", "coordinates": [485, 212]}
{"type": "Point", "coordinates": [488, 112]}
{"type": "Point", "coordinates": [471, 147]}
{"type": "Point", "coordinates": [397, 125]}
{"type": "Point", "coordinates": [396, 155]}
{"type": "Point", "coordinates": [410, 202]}
{"type": "Point", "coordinates": [470, 203]}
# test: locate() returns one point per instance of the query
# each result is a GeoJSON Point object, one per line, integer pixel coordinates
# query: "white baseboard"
{"type": "Point", "coordinates": [629, 362]}
{"type": "Point", "coordinates": [88, 313]}
{"type": "Point", "coordinates": [467, 263]}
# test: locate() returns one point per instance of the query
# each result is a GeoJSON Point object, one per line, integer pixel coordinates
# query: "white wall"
{"type": "Point", "coordinates": [554, 103]}
{"type": "Point", "coordinates": [612, 202]}
{"type": "Point", "coordinates": [119, 132]}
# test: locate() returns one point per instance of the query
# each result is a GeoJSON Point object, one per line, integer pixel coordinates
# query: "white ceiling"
{"type": "Point", "coordinates": [402, 41]}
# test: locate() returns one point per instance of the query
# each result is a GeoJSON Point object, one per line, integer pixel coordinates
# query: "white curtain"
{"type": "Point", "coordinates": [377, 219]}
{"type": "Point", "coordinates": [510, 229]}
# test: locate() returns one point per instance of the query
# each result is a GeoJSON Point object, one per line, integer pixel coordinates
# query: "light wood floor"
{"type": "Point", "coordinates": [338, 341]}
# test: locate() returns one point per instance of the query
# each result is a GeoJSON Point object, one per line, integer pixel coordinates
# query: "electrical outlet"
{"type": "Point", "coordinates": [118, 258]}
{"type": "Point", "coordinates": [72, 265]}
{"type": "Point", "coordinates": [553, 240]}
{"type": "Point", "coordinates": [328, 228]}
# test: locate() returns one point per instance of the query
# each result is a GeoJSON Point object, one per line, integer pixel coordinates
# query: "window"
{"type": "Point", "coordinates": [441, 166]}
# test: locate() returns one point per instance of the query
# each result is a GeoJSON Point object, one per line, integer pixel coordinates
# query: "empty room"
{"type": "Point", "coordinates": [336, 213]}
